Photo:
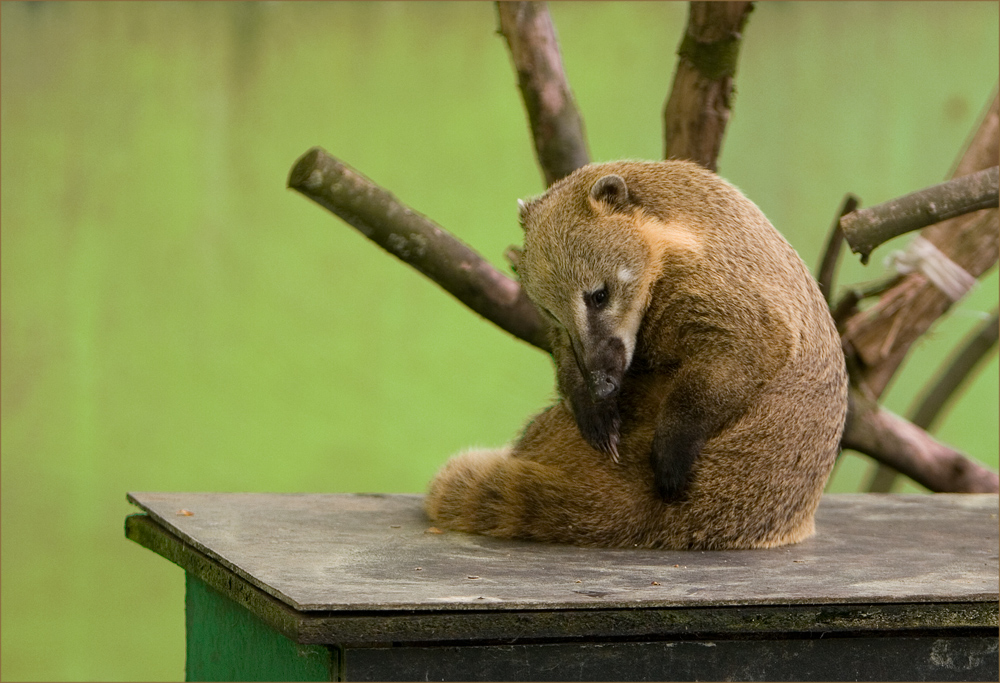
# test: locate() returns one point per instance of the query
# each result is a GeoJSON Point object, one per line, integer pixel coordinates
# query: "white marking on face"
{"type": "Point", "coordinates": [628, 330]}
{"type": "Point", "coordinates": [625, 275]}
{"type": "Point", "coordinates": [580, 314]}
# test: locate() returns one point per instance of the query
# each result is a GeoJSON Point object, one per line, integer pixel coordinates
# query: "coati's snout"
{"type": "Point", "coordinates": [592, 375]}
{"type": "Point", "coordinates": [603, 365]}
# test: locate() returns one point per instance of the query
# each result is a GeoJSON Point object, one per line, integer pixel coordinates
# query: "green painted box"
{"type": "Point", "coordinates": [359, 587]}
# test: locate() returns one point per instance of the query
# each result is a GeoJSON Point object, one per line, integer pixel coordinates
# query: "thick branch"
{"type": "Point", "coordinates": [698, 109]}
{"type": "Point", "coordinates": [879, 337]}
{"type": "Point", "coordinates": [907, 448]}
{"type": "Point", "coordinates": [560, 142]}
{"type": "Point", "coordinates": [866, 229]}
{"type": "Point", "coordinates": [831, 255]}
{"type": "Point", "coordinates": [419, 242]}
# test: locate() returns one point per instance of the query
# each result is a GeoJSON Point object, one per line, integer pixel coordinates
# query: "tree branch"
{"type": "Point", "coordinates": [698, 108]}
{"type": "Point", "coordinates": [460, 271]}
{"type": "Point", "coordinates": [943, 388]}
{"type": "Point", "coordinates": [430, 249]}
{"type": "Point", "coordinates": [866, 229]}
{"type": "Point", "coordinates": [560, 142]}
{"type": "Point", "coordinates": [879, 338]}
{"type": "Point", "coordinates": [909, 449]}
{"type": "Point", "coordinates": [848, 304]}
{"type": "Point", "coordinates": [831, 255]}
{"type": "Point", "coordinates": [957, 370]}
{"type": "Point", "coordinates": [419, 242]}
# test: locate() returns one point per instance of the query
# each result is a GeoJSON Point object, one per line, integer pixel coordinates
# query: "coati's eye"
{"type": "Point", "coordinates": [597, 299]}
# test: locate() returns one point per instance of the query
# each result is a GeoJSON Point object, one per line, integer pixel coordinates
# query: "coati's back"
{"type": "Point", "coordinates": [702, 383]}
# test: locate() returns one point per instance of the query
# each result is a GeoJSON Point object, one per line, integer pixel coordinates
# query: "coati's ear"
{"type": "Point", "coordinates": [522, 212]}
{"type": "Point", "coordinates": [612, 191]}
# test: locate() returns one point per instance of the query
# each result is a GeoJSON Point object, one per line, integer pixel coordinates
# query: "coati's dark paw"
{"type": "Point", "coordinates": [671, 487]}
{"type": "Point", "coordinates": [599, 425]}
{"type": "Point", "coordinates": [672, 460]}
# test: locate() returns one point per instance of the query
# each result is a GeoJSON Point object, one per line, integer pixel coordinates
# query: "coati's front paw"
{"type": "Point", "coordinates": [599, 425]}
{"type": "Point", "coordinates": [672, 459]}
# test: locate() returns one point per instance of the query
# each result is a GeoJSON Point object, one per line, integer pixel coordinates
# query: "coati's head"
{"type": "Point", "coordinates": [589, 263]}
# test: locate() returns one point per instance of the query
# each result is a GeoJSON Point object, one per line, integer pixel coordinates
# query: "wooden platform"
{"type": "Point", "coordinates": [892, 587]}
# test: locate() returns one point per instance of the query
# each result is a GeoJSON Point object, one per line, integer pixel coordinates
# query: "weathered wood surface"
{"type": "Point", "coordinates": [352, 553]}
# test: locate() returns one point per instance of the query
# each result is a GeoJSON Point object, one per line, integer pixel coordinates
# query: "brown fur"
{"type": "Point", "coordinates": [732, 331]}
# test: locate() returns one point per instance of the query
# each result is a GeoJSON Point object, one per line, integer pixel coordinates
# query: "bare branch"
{"type": "Point", "coordinates": [419, 242]}
{"type": "Point", "coordinates": [560, 142]}
{"type": "Point", "coordinates": [868, 228]}
{"type": "Point", "coordinates": [433, 251]}
{"type": "Point", "coordinates": [957, 370]}
{"type": "Point", "coordinates": [877, 341]}
{"type": "Point", "coordinates": [909, 449]}
{"type": "Point", "coordinates": [880, 337]}
{"type": "Point", "coordinates": [848, 304]}
{"type": "Point", "coordinates": [831, 255]}
{"type": "Point", "coordinates": [943, 388]}
{"type": "Point", "coordinates": [698, 108]}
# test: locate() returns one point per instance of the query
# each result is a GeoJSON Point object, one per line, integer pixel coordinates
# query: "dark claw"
{"type": "Point", "coordinates": [599, 425]}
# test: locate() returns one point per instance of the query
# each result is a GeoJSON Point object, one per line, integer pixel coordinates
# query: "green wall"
{"type": "Point", "coordinates": [174, 319]}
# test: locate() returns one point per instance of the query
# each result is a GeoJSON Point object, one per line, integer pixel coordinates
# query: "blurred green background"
{"type": "Point", "coordinates": [174, 319]}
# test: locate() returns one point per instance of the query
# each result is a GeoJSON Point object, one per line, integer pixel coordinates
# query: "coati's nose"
{"type": "Point", "coordinates": [602, 385]}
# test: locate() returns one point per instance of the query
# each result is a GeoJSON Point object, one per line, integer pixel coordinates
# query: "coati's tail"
{"type": "Point", "coordinates": [491, 492]}
{"type": "Point", "coordinates": [458, 496]}
{"type": "Point", "coordinates": [498, 493]}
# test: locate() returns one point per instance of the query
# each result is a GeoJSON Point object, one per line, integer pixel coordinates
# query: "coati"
{"type": "Point", "coordinates": [702, 388]}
